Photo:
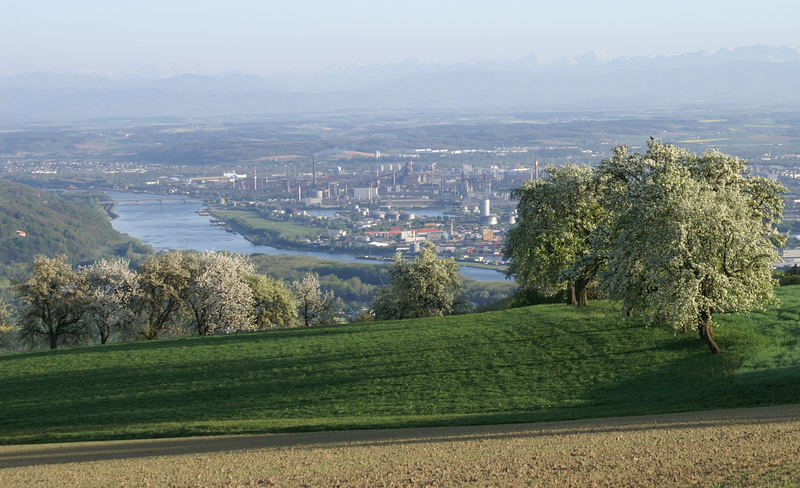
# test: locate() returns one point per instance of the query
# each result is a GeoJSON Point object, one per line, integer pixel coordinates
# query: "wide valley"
{"type": "Point", "coordinates": [175, 224]}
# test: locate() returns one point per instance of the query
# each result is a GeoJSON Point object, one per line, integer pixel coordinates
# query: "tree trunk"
{"type": "Point", "coordinates": [150, 333]}
{"type": "Point", "coordinates": [53, 340]}
{"type": "Point", "coordinates": [571, 295]}
{"type": "Point", "coordinates": [580, 292]}
{"type": "Point", "coordinates": [706, 330]}
{"type": "Point", "coordinates": [202, 325]}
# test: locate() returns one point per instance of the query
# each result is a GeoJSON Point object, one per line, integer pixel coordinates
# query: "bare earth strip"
{"type": "Point", "coordinates": [743, 447]}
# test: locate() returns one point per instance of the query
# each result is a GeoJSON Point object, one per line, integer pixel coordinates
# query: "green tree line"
{"type": "Point", "coordinates": [357, 283]}
{"type": "Point", "coordinates": [170, 293]}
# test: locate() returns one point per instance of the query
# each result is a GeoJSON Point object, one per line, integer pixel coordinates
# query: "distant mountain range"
{"type": "Point", "coordinates": [746, 76]}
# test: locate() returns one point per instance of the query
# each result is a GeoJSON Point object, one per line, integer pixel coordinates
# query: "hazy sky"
{"type": "Point", "coordinates": [267, 37]}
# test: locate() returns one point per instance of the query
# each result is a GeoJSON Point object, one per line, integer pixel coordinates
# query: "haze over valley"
{"type": "Point", "coordinates": [760, 77]}
{"type": "Point", "coordinates": [399, 243]}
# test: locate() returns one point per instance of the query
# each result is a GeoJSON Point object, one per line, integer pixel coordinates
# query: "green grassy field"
{"type": "Point", "coordinates": [545, 362]}
{"type": "Point", "coordinates": [251, 220]}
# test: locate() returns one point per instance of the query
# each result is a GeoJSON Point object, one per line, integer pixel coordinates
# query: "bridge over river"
{"type": "Point", "coordinates": [162, 201]}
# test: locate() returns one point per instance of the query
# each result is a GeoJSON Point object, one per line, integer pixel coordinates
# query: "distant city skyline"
{"type": "Point", "coordinates": [269, 38]}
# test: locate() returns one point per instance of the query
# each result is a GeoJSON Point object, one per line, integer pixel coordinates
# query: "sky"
{"type": "Point", "coordinates": [266, 37]}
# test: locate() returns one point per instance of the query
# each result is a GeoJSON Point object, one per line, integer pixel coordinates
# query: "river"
{"type": "Point", "coordinates": [175, 225]}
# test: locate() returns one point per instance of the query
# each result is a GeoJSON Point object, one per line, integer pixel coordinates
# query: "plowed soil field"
{"type": "Point", "coordinates": [743, 447]}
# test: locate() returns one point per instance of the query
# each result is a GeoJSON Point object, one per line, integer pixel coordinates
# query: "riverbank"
{"type": "Point", "coordinates": [291, 235]}
{"type": "Point", "coordinates": [473, 264]}
{"type": "Point", "coordinates": [176, 225]}
{"type": "Point", "coordinates": [280, 234]}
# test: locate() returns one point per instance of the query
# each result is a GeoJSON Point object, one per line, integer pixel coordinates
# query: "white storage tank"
{"type": "Point", "coordinates": [486, 207]}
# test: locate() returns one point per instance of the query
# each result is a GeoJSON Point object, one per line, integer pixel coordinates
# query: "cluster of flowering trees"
{"type": "Point", "coordinates": [169, 293]}
{"type": "Point", "coordinates": [670, 234]}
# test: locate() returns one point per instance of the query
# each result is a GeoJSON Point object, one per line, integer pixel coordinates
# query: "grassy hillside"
{"type": "Point", "coordinates": [538, 363]}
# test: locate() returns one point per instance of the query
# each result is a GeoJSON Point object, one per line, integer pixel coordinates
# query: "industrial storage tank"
{"type": "Point", "coordinates": [488, 219]}
{"type": "Point", "coordinates": [486, 207]}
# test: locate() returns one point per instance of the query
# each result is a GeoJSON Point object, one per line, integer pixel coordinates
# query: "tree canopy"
{"type": "Point", "coordinates": [112, 287]}
{"type": "Point", "coordinates": [216, 296]}
{"type": "Point", "coordinates": [690, 236]}
{"type": "Point", "coordinates": [556, 218]}
{"type": "Point", "coordinates": [53, 303]}
{"type": "Point", "coordinates": [274, 305]}
{"type": "Point", "coordinates": [163, 280]}
{"type": "Point", "coordinates": [425, 287]}
{"type": "Point", "coordinates": [672, 235]}
{"type": "Point", "coordinates": [177, 293]}
{"type": "Point", "coordinates": [6, 325]}
{"type": "Point", "coordinates": [313, 306]}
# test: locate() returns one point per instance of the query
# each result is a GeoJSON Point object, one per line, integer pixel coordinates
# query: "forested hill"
{"type": "Point", "coordinates": [53, 223]}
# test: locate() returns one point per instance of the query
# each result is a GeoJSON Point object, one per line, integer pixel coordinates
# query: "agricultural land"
{"type": "Point", "coordinates": [728, 448]}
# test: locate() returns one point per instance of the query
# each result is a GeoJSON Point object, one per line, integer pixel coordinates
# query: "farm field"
{"type": "Point", "coordinates": [540, 363]}
{"type": "Point", "coordinates": [744, 447]}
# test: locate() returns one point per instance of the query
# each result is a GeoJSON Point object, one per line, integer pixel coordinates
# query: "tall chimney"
{"type": "Point", "coordinates": [314, 171]}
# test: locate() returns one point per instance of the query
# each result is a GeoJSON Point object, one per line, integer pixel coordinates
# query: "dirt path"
{"type": "Point", "coordinates": [726, 447]}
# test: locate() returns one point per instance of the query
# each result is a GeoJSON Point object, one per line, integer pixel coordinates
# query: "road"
{"type": "Point", "coordinates": [742, 447]}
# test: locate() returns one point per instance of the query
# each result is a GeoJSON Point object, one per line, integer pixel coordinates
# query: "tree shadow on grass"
{"type": "Point", "coordinates": [697, 381]}
{"type": "Point", "coordinates": [335, 389]}
{"type": "Point", "coordinates": [196, 341]}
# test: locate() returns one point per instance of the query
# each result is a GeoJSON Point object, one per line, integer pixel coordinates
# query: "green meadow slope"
{"type": "Point", "coordinates": [545, 362]}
